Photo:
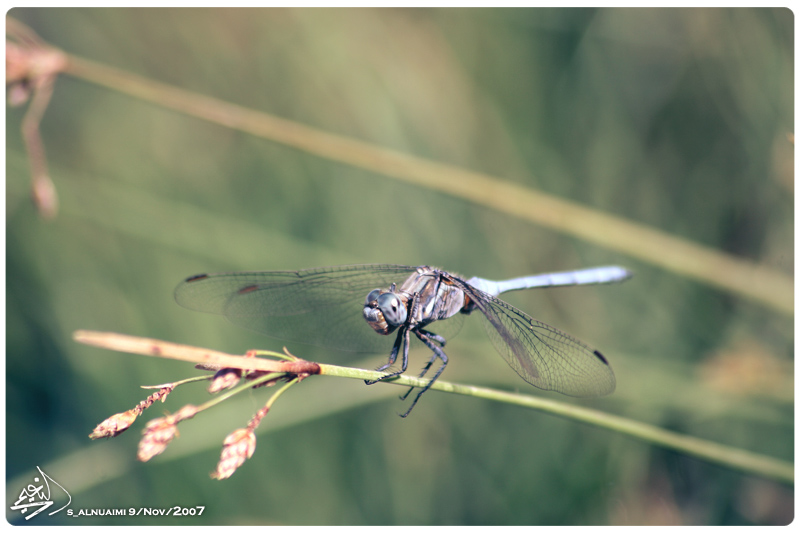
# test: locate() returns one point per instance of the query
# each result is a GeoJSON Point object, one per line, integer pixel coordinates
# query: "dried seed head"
{"type": "Point", "coordinates": [161, 394]}
{"type": "Point", "coordinates": [237, 448]}
{"type": "Point", "coordinates": [157, 434]}
{"type": "Point", "coordinates": [225, 379]}
{"type": "Point", "coordinates": [185, 412]}
{"type": "Point", "coordinates": [256, 420]}
{"type": "Point", "coordinates": [114, 425]}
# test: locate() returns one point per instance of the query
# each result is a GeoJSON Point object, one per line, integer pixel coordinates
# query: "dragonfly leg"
{"type": "Point", "coordinates": [437, 353]}
{"type": "Point", "coordinates": [434, 337]}
{"type": "Point", "coordinates": [402, 338]}
{"type": "Point", "coordinates": [421, 375]}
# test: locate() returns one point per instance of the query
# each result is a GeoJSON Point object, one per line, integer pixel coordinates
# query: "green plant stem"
{"type": "Point", "coordinates": [222, 396]}
{"type": "Point", "coordinates": [736, 458]}
{"type": "Point", "coordinates": [280, 391]}
{"type": "Point", "coordinates": [743, 277]}
{"type": "Point", "coordinates": [718, 453]}
{"type": "Point", "coordinates": [176, 384]}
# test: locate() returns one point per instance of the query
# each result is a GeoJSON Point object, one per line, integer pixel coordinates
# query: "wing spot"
{"type": "Point", "coordinates": [249, 288]}
{"type": "Point", "coordinates": [600, 356]}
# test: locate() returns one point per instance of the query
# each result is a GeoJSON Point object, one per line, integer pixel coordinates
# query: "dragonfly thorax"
{"type": "Point", "coordinates": [385, 310]}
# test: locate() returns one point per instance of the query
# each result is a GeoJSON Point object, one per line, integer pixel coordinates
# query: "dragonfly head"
{"type": "Point", "coordinates": [384, 311]}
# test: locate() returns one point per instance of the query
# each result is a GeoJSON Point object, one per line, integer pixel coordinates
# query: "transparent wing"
{"type": "Point", "coordinates": [542, 355]}
{"type": "Point", "coordinates": [321, 306]}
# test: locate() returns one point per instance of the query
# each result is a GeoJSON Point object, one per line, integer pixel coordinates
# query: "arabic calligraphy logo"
{"type": "Point", "coordinates": [37, 495]}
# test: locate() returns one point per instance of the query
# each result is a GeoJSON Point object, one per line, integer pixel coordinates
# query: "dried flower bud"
{"type": "Point", "coordinates": [185, 412]}
{"type": "Point", "coordinates": [224, 379]}
{"type": "Point", "coordinates": [160, 432]}
{"type": "Point", "coordinates": [114, 425]}
{"type": "Point", "coordinates": [256, 420]}
{"type": "Point", "coordinates": [159, 395]}
{"type": "Point", "coordinates": [157, 434]}
{"type": "Point", "coordinates": [237, 448]}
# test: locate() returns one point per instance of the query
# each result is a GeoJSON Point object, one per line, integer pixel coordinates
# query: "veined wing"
{"type": "Point", "coordinates": [542, 355]}
{"type": "Point", "coordinates": [320, 306]}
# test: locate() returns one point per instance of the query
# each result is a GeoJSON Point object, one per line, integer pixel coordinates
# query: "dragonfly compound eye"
{"type": "Point", "coordinates": [373, 312]}
{"type": "Point", "coordinates": [392, 308]}
{"type": "Point", "coordinates": [372, 296]}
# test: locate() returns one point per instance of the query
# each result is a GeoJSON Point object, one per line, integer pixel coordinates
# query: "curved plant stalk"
{"type": "Point", "coordinates": [31, 71]}
{"type": "Point", "coordinates": [743, 277]}
{"type": "Point", "coordinates": [731, 457]}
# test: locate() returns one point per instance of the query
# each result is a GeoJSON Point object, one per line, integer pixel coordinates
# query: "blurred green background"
{"type": "Point", "coordinates": [677, 119]}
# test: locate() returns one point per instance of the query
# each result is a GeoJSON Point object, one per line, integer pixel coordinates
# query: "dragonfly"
{"type": "Point", "coordinates": [377, 307]}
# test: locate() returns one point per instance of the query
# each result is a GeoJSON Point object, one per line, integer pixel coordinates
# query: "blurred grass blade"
{"type": "Point", "coordinates": [745, 278]}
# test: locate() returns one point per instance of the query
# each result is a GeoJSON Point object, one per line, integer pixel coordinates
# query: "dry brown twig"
{"type": "Point", "coordinates": [210, 359]}
{"type": "Point", "coordinates": [31, 71]}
